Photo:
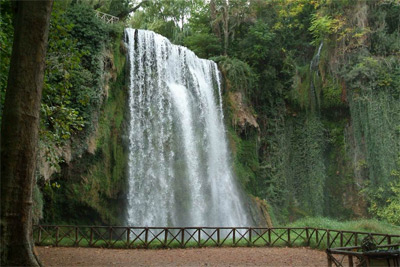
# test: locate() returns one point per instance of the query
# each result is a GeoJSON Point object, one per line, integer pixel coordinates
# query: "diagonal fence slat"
{"type": "Point", "coordinates": [47, 234]}
{"type": "Point", "coordinates": [192, 236]}
{"type": "Point", "coordinates": [332, 238]}
{"type": "Point", "coordinates": [175, 237]}
{"type": "Point", "coordinates": [227, 236]}
{"type": "Point", "coordinates": [241, 237]}
{"type": "Point", "coordinates": [210, 237]}
{"type": "Point", "coordinates": [348, 241]}
{"type": "Point", "coordinates": [65, 235]}
{"type": "Point", "coordinates": [280, 236]}
{"type": "Point", "coordinates": [117, 234]}
{"type": "Point", "coordinates": [299, 235]}
{"type": "Point", "coordinates": [100, 233]}
{"type": "Point", "coordinates": [137, 237]}
{"type": "Point", "coordinates": [261, 235]}
{"type": "Point", "coordinates": [83, 235]}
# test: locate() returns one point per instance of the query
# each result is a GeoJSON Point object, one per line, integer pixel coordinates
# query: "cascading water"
{"type": "Point", "coordinates": [179, 171]}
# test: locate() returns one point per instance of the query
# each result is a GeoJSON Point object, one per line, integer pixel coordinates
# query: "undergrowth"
{"type": "Point", "coordinates": [363, 225]}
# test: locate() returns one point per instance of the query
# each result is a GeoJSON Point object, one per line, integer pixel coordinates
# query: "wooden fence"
{"type": "Point", "coordinates": [173, 237]}
{"type": "Point", "coordinates": [386, 255]}
{"type": "Point", "coordinates": [107, 18]}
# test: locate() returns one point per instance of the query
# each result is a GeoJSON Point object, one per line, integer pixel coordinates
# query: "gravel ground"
{"type": "Point", "coordinates": [52, 256]}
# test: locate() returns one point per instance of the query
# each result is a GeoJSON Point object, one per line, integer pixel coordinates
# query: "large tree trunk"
{"type": "Point", "coordinates": [19, 131]}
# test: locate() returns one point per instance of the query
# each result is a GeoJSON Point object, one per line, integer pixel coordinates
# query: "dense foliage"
{"type": "Point", "coordinates": [323, 80]}
{"type": "Point", "coordinates": [320, 77]}
{"type": "Point", "coordinates": [76, 88]}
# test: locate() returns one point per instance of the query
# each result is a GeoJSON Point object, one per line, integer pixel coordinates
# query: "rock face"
{"type": "Point", "coordinates": [243, 118]}
{"type": "Point", "coordinates": [46, 168]}
{"type": "Point", "coordinates": [88, 182]}
{"type": "Point", "coordinates": [260, 211]}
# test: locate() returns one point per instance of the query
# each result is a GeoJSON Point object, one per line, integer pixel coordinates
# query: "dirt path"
{"type": "Point", "coordinates": [182, 257]}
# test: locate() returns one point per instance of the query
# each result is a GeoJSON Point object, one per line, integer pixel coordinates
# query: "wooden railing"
{"type": "Point", "coordinates": [172, 237]}
{"type": "Point", "coordinates": [386, 255]}
{"type": "Point", "coordinates": [107, 18]}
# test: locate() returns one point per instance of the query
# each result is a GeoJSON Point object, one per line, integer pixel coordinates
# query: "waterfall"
{"type": "Point", "coordinates": [179, 169]}
{"type": "Point", "coordinates": [314, 72]}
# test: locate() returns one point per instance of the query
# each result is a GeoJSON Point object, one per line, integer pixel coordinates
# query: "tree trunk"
{"type": "Point", "coordinates": [225, 25]}
{"type": "Point", "coordinates": [214, 24]}
{"type": "Point", "coordinates": [19, 132]}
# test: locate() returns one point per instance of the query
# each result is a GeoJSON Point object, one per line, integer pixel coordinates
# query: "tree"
{"type": "Point", "coordinates": [228, 16]}
{"type": "Point", "coordinates": [19, 130]}
{"type": "Point", "coordinates": [122, 8]}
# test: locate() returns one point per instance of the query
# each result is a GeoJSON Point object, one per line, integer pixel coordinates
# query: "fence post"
{"type": "Point", "coordinates": [234, 236]}
{"type": "Point", "coordinates": [199, 237]}
{"type": "Point", "coordinates": [351, 263]}
{"type": "Point", "coordinates": [165, 237]}
{"type": "Point", "coordinates": [40, 235]}
{"type": "Point", "coordinates": [183, 238]}
{"type": "Point", "coordinates": [389, 240]}
{"type": "Point", "coordinates": [329, 259]}
{"type": "Point", "coordinates": [355, 239]}
{"type": "Point", "coordinates": [91, 237]}
{"type": "Point", "coordinates": [57, 233]}
{"type": "Point", "coordinates": [218, 237]}
{"type": "Point", "coordinates": [146, 236]}
{"type": "Point", "coordinates": [250, 236]}
{"type": "Point", "coordinates": [76, 236]}
{"type": "Point", "coordinates": [269, 236]}
{"type": "Point", "coordinates": [341, 238]}
{"type": "Point", "coordinates": [307, 237]}
{"type": "Point", "coordinates": [328, 239]}
{"type": "Point", "coordinates": [128, 237]}
{"type": "Point", "coordinates": [288, 242]}
{"type": "Point", "coordinates": [110, 237]}
{"type": "Point", "coordinates": [316, 236]}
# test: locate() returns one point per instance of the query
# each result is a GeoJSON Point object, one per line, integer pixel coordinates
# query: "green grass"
{"type": "Point", "coordinates": [363, 225]}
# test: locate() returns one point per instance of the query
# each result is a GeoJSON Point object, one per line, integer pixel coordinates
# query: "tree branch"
{"type": "Point", "coordinates": [125, 13]}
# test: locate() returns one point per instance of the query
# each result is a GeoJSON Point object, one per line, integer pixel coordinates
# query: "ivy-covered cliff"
{"type": "Point", "coordinates": [325, 94]}
{"type": "Point", "coordinates": [89, 185]}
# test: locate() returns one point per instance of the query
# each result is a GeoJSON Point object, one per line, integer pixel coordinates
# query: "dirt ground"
{"type": "Point", "coordinates": [52, 256]}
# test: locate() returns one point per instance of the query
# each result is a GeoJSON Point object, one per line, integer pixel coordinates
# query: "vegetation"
{"type": "Point", "coordinates": [94, 180]}
{"type": "Point", "coordinates": [362, 225]}
{"type": "Point", "coordinates": [320, 78]}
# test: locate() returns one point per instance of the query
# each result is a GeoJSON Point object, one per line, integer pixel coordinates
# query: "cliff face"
{"type": "Point", "coordinates": [328, 146]}
{"type": "Point", "coordinates": [243, 118]}
{"type": "Point", "coordinates": [90, 184]}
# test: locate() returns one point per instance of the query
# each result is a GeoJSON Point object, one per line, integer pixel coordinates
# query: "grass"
{"type": "Point", "coordinates": [363, 225]}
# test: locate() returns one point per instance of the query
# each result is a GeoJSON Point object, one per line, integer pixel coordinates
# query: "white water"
{"type": "Point", "coordinates": [179, 171]}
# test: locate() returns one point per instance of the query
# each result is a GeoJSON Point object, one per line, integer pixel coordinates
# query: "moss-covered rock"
{"type": "Point", "coordinates": [92, 185]}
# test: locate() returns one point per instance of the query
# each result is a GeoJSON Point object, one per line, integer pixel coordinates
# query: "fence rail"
{"type": "Point", "coordinates": [172, 237]}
